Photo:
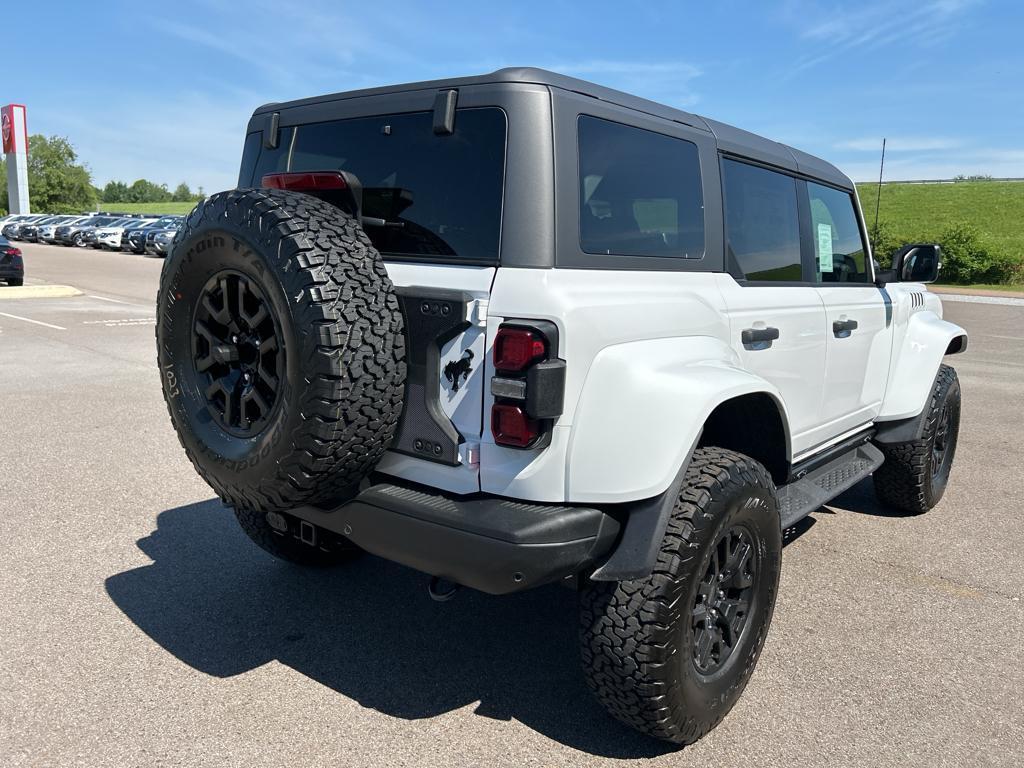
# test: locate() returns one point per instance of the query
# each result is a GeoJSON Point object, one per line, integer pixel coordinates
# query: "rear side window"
{"type": "Point", "coordinates": [838, 247]}
{"type": "Point", "coordinates": [640, 192]}
{"type": "Point", "coordinates": [762, 222]}
{"type": "Point", "coordinates": [440, 196]}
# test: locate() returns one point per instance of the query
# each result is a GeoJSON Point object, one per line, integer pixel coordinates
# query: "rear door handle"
{"type": "Point", "coordinates": [843, 328]}
{"type": "Point", "coordinates": [759, 336]}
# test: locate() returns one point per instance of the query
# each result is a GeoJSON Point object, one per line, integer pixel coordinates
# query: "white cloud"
{"type": "Point", "coordinates": [900, 144]}
{"type": "Point", "coordinates": [872, 25]}
{"type": "Point", "coordinates": [1000, 163]}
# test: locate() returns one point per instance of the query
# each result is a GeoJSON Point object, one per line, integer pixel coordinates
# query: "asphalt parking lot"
{"type": "Point", "coordinates": [138, 626]}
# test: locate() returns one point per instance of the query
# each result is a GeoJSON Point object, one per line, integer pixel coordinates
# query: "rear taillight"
{"type": "Point", "coordinates": [12, 251]}
{"type": "Point", "coordinates": [512, 427]}
{"type": "Point", "coordinates": [528, 385]}
{"type": "Point", "coordinates": [515, 348]}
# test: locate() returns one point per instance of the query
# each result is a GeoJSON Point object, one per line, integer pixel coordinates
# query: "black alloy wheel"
{"type": "Point", "coordinates": [722, 604]}
{"type": "Point", "coordinates": [940, 443]}
{"type": "Point", "coordinates": [238, 357]}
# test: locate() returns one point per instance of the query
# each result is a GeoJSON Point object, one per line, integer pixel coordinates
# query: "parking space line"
{"type": "Point", "coordinates": [37, 322]}
{"type": "Point", "coordinates": [105, 298]}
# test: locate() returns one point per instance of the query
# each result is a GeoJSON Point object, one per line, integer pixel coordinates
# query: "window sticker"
{"type": "Point", "coordinates": [825, 248]}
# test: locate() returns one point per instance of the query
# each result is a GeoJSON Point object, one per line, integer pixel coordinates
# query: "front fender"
{"type": "Point", "coordinates": [642, 409]}
{"type": "Point", "coordinates": [915, 362]}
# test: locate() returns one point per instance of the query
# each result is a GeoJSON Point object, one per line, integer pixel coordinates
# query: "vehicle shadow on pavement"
{"type": "Point", "coordinates": [367, 630]}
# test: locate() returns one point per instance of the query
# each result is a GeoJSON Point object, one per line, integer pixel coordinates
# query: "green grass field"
{"type": "Point", "coordinates": [162, 209]}
{"type": "Point", "coordinates": [921, 211]}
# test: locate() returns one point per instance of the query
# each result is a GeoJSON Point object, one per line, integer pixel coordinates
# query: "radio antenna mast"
{"type": "Point", "coordinates": [878, 196]}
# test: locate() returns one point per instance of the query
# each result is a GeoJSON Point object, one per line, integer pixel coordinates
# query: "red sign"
{"type": "Point", "coordinates": [5, 124]}
{"type": "Point", "coordinates": [9, 117]}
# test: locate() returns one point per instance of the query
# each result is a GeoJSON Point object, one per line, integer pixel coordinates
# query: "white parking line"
{"type": "Point", "coordinates": [107, 298]}
{"type": "Point", "coordinates": [37, 322]}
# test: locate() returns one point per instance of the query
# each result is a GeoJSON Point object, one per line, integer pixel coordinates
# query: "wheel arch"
{"type": "Point", "coordinates": [629, 451]}
{"type": "Point", "coordinates": [739, 398]}
{"type": "Point", "coordinates": [915, 363]}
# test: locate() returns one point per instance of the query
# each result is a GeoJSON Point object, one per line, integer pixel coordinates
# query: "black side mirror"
{"type": "Point", "coordinates": [917, 263]}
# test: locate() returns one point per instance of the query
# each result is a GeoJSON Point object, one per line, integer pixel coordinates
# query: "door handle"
{"type": "Point", "coordinates": [843, 328]}
{"type": "Point", "coordinates": [759, 336]}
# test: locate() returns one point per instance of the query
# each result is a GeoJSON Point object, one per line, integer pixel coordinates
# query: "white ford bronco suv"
{"type": "Point", "coordinates": [518, 329]}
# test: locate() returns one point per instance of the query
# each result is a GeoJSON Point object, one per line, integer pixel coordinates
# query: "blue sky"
{"type": "Point", "coordinates": [164, 91]}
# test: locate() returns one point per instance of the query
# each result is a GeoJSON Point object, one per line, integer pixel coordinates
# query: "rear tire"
{"type": "Point", "coordinates": [914, 476]}
{"type": "Point", "coordinates": [671, 653]}
{"type": "Point", "coordinates": [14, 282]}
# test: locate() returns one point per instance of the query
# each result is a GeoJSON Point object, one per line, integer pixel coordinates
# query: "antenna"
{"type": "Point", "coordinates": [878, 197]}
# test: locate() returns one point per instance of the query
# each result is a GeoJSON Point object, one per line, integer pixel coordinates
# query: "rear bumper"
{"type": "Point", "coordinates": [491, 544]}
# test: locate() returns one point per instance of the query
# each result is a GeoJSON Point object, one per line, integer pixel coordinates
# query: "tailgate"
{"type": "Point", "coordinates": [445, 310]}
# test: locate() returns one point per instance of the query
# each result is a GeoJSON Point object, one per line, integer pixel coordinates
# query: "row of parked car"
{"type": "Point", "coordinates": [137, 233]}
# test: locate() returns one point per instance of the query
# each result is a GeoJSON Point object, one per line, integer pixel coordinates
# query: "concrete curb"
{"type": "Point", "coordinates": [38, 292]}
{"type": "Point", "coordinates": [966, 290]}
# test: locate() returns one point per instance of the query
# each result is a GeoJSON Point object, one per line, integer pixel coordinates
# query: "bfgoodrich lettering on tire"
{"type": "Point", "coordinates": [281, 348]}
{"type": "Point", "coordinates": [670, 654]}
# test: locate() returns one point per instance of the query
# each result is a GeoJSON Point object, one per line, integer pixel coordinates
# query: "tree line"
{"type": "Point", "coordinates": [59, 183]}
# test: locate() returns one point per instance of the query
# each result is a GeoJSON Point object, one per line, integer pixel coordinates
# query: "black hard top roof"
{"type": "Point", "coordinates": [730, 139]}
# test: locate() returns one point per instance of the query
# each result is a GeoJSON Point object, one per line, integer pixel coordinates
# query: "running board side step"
{"type": "Point", "coordinates": [822, 484]}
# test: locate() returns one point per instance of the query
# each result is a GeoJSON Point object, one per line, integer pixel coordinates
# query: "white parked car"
{"type": "Point", "coordinates": [518, 329]}
{"type": "Point", "coordinates": [110, 236]}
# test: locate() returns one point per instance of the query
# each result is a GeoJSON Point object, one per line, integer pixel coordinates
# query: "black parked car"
{"type": "Point", "coordinates": [12, 267]}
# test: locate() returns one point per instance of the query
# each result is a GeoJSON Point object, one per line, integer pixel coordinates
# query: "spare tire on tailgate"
{"type": "Point", "coordinates": [281, 348]}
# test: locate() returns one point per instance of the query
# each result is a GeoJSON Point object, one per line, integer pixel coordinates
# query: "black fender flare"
{"type": "Point", "coordinates": [637, 551]}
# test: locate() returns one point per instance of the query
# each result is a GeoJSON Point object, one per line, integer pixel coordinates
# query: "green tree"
{"type": "Point", "coordinates": [115, 192]}
{"type": "Point", "coordinates": [145, 191]}
{"type": "Point", "coordinates": [57, 182]}
{"type": "Point", "coordinates": [182, 193]}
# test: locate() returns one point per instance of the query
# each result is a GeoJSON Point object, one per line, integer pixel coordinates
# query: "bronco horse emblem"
{"type": "Point", "coordinates": [457, 371]}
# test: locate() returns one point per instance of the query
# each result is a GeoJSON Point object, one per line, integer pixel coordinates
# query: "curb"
{"type": "Point", "coordinates": [966, 290]}
{"type": "Point", "coordinates": [38, 292]}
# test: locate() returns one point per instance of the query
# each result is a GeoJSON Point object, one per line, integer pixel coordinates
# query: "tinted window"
{"type": "Point", "coordinates": [439, 195]}
{"type": "Point", "coordinates": [762, 222]}
{"type": "Point", "coordinates": [838, 248]}
{"type": "Point", "coordinates": [640, 192]}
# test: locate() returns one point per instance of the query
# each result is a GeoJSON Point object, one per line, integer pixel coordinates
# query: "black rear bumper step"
{"type": "Point", "coordinates": [491, 544]}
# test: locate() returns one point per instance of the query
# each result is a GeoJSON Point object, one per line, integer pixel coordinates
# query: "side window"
{"type": "Point", "coordinates": [762, 222]}
{"type": "Point", "coordinates": [640, 192]}
{"type": "Point", "coordinates": [838, 247]}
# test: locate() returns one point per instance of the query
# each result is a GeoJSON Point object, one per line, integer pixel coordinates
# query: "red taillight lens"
{"type": "Point", "coordinates": [12, 251]}
{"type": "Point", "coordinates": [304, 182]}
{"type": "Point", "coordinates": [511, 426]}
{"type": "Point", "coordinates": [516, 348]}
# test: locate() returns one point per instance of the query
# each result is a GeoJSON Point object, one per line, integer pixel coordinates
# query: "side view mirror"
{"type": "Point", "coordinates": [917, 263]}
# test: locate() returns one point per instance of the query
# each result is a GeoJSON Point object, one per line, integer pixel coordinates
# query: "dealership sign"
{"type": "Point", "coordinates": [14, 127]}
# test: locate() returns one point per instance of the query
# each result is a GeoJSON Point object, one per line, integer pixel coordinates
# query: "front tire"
{"type": "Point", "coordinates": [671, 653]}
{"type": "Point", "coordinates": [914, 476]}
